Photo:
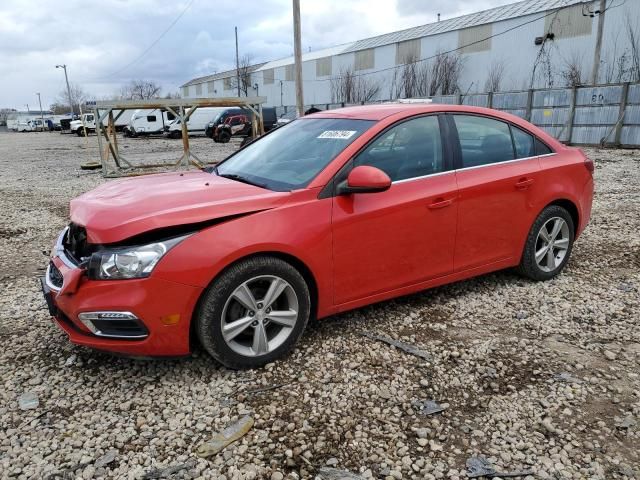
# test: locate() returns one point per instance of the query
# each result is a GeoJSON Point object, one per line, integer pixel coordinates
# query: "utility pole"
{"type": "Point", "coordinates": [237, 64]}
{"type": "Point", "coordinates": [68, 88]}
{"type": "Point", "coordinates": [297, 51]}
{"type": "Point", "coordinates": [596, 53]}
{"type": "Point", "coordinates": [281, 104]}
{"type": "Point", "coordinates": [41, 114]}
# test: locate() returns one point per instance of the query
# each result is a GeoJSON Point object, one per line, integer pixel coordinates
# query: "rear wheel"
{"type": "Point", "coordinates": [549, 244]}
{"type": "Point", "coordinates": [254, 313]}
{"type": "Point", "coordinates": [224, 137]}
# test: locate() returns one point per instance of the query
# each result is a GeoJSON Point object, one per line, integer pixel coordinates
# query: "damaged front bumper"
{"type": "Point", "coordinates": [141, 317]}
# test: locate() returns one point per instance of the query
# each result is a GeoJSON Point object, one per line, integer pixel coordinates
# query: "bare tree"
{"type": "Point", "coordinates": [78, 98]}
{"type": "Point", "coordinates": [633, 36]}
{"type": "Point", "coordinates": [349, 87]}
{"type": "Point", "coordinates": [444, 73]}
{"type": "Point", "coordinates": [246, 67]}
{"type": "Point", "coordinates": [140, 90]}
{"type": "Point", "coordinates": [572, 72]}
{"type": "Point", "coordinates": [410, 80]}
{"type": "Point", "coordinates": [495, 76]}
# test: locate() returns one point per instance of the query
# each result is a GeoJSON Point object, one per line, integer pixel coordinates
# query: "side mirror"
{"type": "Point", "coordinates": [365, 179]}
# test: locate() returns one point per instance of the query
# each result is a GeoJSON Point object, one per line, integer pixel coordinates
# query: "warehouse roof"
{"type": "Point", "coordinates": [219, 75]}
{"type": "Point", "coordinates": [505, 12]}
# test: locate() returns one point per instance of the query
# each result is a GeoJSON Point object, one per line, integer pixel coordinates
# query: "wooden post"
{"type": "Point", "coordinates": [490, 100]}
{"type": "Point", "coordinates": [529, 105]}
{"type": "Point", "coordinates": [572, 111]}
{"type": "Point", "coordinates": [623, 107]}
{"type": "Point", "coordinates": [297, 48]}
{"type": "Point", "coordinates": [185, 136]}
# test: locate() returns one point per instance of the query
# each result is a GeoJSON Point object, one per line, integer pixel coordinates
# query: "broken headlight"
{"type": "Point", "coordinates": [129, 262]}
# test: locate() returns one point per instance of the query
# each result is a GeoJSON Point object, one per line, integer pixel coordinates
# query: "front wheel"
{"type": "Point", "coordinates": [254, 313]}
{"type": "Point", "coordinates": [548, 245]}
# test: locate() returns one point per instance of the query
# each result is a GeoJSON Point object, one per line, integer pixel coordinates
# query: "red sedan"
{"type": "Point", "coordinates": [331, 212]}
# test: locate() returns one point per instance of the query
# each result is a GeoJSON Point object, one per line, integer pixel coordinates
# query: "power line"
{"type": "Point", "coordinates": [152, 44]}
{"type": "Point", "coordinates": [553, 12]}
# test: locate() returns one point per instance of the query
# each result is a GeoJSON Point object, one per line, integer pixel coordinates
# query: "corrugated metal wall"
{"type": "Point", "coordinates": [606, 114]}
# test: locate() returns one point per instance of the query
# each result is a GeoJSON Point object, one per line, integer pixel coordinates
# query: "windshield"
{"type": "Point", "coordinates": [291, 156]}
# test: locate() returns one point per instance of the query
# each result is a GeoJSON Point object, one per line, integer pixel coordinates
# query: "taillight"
{"type": "Point", "coordinates": [589, 164]}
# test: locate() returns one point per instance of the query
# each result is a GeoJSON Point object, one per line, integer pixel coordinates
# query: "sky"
{"type": "Point", "coordinates": [107, 44]}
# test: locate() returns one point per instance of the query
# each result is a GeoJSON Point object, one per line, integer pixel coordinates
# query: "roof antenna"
{"type": "Point", "coordinates": [438, 17]}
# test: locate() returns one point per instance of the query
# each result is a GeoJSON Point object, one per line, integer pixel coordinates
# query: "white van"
{"type": "Point", "coordinates": [148, 122]}
{"type": "Point", "coordinates": [196, 124]}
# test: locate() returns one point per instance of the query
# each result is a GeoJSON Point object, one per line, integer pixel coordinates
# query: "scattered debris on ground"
{"type": "Point", "coordinates": [504, 353]}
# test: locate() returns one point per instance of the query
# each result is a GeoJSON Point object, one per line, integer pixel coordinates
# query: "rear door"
{"type": "Point", "coordinates": [405, 235]}
{"type": "Point", "coordinates": [497, 174]}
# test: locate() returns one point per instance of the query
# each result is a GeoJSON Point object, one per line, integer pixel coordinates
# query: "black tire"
{"type": "Point", "coordinates": [208, 316]}
{"type": "Point", "coordinates": [224, 137]}
{"type": "Point", "coordinates": [176, 134]}
{"type": "Point", "coordinates": [528, 265]}
{"type": "Point", "coordinates": [80, 132]}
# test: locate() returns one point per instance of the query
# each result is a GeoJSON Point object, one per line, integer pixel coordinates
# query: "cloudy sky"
{"type": "Point", "coordinates": [103, 43]}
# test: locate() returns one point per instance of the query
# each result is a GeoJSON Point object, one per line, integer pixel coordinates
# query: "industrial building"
{"type": "Point", "coordinates": [529, 44]}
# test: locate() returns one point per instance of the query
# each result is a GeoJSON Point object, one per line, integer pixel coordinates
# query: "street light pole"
{"type": "Point", "coordinates": [41, 114]}
{"type": "Point", "coordinates": [68, 88]}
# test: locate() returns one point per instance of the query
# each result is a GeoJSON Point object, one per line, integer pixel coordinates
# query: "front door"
{"type": "Point", "coordinates": [405, 235]}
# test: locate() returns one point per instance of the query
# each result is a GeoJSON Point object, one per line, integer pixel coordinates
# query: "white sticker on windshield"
{"type": "Point", "coordinates": [340, 134]}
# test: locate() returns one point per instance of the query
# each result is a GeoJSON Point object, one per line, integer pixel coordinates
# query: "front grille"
{"type": "Point", "coordinates": [55, 277]}
{"type": "Point", "coordinates": [75, 243]}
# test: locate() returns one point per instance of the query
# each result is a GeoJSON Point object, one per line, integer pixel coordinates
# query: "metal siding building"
{"type": "Point", "coordinates": [505, 35]}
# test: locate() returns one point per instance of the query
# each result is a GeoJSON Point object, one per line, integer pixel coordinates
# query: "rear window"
{"type": "Point", "coordinates": [483, 140]}
{"type": "Point", "coordinates": [523, 143]}
{"type": "Point", "coordinates": [542, 148]}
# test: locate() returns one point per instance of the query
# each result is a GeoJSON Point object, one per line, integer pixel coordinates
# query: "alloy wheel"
{"type": "Point", "coordinates": [552, 244]}
{"type": "Point", "coordinates": [259, 315]}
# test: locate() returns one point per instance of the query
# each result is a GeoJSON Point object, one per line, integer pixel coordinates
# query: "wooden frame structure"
{"type": "Point", "coordinates": [114, 164]}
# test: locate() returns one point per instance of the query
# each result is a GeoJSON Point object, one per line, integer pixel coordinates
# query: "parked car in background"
{"type": "Point", "coordinates": [268, 115]}
{"type": "Point", "coordinates": [331, 212]}
{"type": "Point", "coordinates": [234, 125]}
{"type": "Point", "coordinates": [196, 124]}
{"type": "Point", "coordinates": [148, 122]}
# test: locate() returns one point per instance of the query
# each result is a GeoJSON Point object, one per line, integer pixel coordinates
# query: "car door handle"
{"type": "Point", "coordinates": [524, 183]}
{"type": "Point", "coordinates": [440, 203]}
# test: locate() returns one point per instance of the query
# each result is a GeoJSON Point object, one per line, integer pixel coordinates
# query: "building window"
{"type": "Point", "coordinates": [227, 83]}
{"type": "Point", "coordinates": [288, 73]}
{"type": "Point", "coordinates": [475, 39]}
{"type": "Point", "coordinates": [198, 90]}
{"type": "Point", "coordinates": [267, 76]}
{"type": "Point", "coordinates": [323, 67]}
{"type": "Point", "coordinates": [364, 59]}
{"type": "Point", "coordinates": [568, 22]}
{"type": "Point", "coordinates": [211, 88]}
{"type": "Point", "coordinates": [407, 51]}
{"type": "Point", "coordinates": [185, 91]}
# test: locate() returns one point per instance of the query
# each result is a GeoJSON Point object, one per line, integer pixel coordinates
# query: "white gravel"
{"type": "Point", "coordinates": [540, 376]}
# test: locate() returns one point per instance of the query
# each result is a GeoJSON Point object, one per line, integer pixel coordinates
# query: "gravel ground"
{"type": "Point", "coordinates": [534, 376]}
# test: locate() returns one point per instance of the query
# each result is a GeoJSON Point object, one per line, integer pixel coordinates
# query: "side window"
{"type": "Point", "coordinates": [523, 143]}
{"type": "Point", "coordinates": [151, 118]}
{"type": "Point", "coordinates": [410, 149]}
{"type": "Point", "coordinates": [542, 149]}
{"type": "Point", "coordinates": [170, 116]}
{"type": "Point", "coordinates": [483, 140]}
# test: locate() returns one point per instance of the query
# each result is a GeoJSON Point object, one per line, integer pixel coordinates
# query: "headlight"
{"type": "Point", "coordinates": [129, 262]}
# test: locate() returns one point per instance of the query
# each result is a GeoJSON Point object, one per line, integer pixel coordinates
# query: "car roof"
{"type": "Point", "coordinates": [384, 110]}
{"type": "Point", "coordinates": [381, 111]}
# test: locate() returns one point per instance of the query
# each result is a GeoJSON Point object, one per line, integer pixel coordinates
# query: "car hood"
{"type": "Point", "coordinates": [122, 209]}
